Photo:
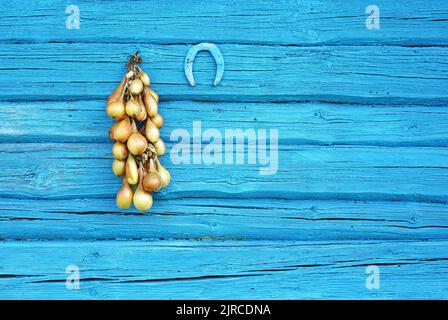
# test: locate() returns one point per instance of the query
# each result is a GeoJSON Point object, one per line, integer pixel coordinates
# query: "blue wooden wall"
{"type": "Point", "coordinates": [363, 160]}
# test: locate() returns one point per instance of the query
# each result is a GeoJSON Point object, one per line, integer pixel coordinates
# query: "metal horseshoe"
{"type": "Point", "coordinates": [217, 55]}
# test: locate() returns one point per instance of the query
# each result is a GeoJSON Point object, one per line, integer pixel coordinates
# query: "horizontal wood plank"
{"type": "Point", "coordinates": [280, 22]}
{"type": "Point", "coordinates": [64, 171]}
{"type": "Point", "coordinates": [305, 124]}
{"type": "Point", "coordinates": [208, 218]}
{"type": "Point", "coordinates": [208, 269]}
{"type": "Point", "coordinates": [373, 74]}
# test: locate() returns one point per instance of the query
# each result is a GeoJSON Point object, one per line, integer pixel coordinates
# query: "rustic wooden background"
{"type": "Point", "coordinates": [363, 132]}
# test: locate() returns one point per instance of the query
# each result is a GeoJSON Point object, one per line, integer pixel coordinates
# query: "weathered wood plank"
{"type": "Point", "coordinates": [308, 123]}
{"type": "Point", "coordinates": [72, 71]}
{"type": "Point", "coordinates": [62, 171]}
{"type": "Point", "coordinates": [207, 269]}
{"type": "Point", "coordinates": [208, 218]}
{"type": "Point", "coordinates": [279, 22]}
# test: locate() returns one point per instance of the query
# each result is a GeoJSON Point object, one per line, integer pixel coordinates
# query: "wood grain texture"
{"type": "Point", "coordinates": [300, 124]}
{"type": "Point", "coordinates": [373, 74]}
{"type": "Point", "coordinates": [291, 22]}
{"type": "Point", "coordinates": [224, 269]}
{"type": "Point", "coordinates": [64, 171]}
{"type": "Point", "coordinates": [229, 219]}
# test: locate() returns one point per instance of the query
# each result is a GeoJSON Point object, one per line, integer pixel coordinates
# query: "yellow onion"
{"type": "Point", "coordinates": [144, 77]}
{"type": "Point", "coordinates": [132, 107]}
{"type": "Point", "coordinates": [136, 86]}
{"type": "Point", "coordinates": [112, 131]}
{"type": "Point", "coordinates": [118, 167]}
{"type": "Point", "coordinates": [143, 113]}
{"type": "Point", "coordinates": [137, 143]}
{"type": "Point", "coordinates": [125, 195]}
{"type": "Point", "coordinates": [120, 151]}
{"type": "Point", "coordinates": [164, 175]}
{"type": "Point", "coordinates": [157, 120]}
{"type": "Point", "coordinates": [131, 170]}
{"type": "Point", "coordinates": [159, 145]}
{"type": "Point", "coordinates": [117, 92]}
{"type": "Point", "coordinates": [151, 180]}
{"type": "Point", "coordinates": [123, 130]}
{"type": "Point", "coordinates": [116, 110]}
{"type": "Point", "coordinates": [142, 199]}
{"type": "Point", "coordinates": [150, 103]}
{"type": "Point", "coordinates": [154, 94]}
{"type": "Point", "coordinates": [151, 131]}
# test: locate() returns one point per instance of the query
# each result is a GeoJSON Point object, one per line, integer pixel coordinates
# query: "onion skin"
{"type": "Point", "coordinates": [154, 94]}
{"type": "Point", "coordinates": [117, 92]}
{"type": "Point", "coordinates": [116, 110]}
{"type": "Point", "coordinates": [112, 131]}
{"type": "Point", "coordinates": [118, 167]}
{"type": "Point", "coordinates": [120, 151]}
{"type": "Point", "coordinates": [150, 103]}
{"type": "Point", "coordinates": [160, 147]}
{"type": "Point", "coordinates": [151, 182]}
{"type": "Point", "coordinates": [165, 177]}
{"type": "Point", "coordinates": [144, 77]}
{"type": "Point", "coordinates": [133, 108]}
{"type": "Point", "coordinates": [129, 75]}
{"type": "Point", "coordinates": [142, 199]}
{"type": "Point", "coordinates": [151, 131]}
{"type": "Point", "coordinates": [143, 113]}
{"type": "Point", "coordinates": [123, 130]}
{"type": "Point", "coordinates": [137, 143]}
{"type": "Point", "coordinates": [125, 196]}
{"type": "Point", "coordinates": [131, 170]}
{"type": "Point", "coordinates": [136, 86]}
{"type": "Point", "coordinates": [157, 120]}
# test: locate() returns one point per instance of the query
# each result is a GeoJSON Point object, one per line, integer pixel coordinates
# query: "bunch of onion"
{"type": "Point", "coordinates": [138, 145]}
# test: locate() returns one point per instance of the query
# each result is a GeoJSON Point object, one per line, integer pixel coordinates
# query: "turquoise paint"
{"type": "Point", "coordinates": [363, 138]}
